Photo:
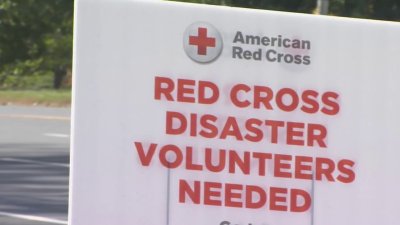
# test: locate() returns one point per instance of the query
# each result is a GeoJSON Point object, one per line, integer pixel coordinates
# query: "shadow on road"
{"type": "Point", "coordinates": [34, 184]}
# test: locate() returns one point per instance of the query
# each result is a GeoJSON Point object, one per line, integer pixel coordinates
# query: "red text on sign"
{"type": "Point", "coordinates": [244, 196]}
{"type": "Point", "coordinates": [252, 129]}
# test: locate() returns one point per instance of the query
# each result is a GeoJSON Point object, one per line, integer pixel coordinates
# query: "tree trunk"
{"type": "Point", "coordinates": [59, 75]}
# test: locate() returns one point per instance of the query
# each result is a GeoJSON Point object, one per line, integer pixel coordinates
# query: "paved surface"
{"type": "Point", "coordinates": [34, 165]}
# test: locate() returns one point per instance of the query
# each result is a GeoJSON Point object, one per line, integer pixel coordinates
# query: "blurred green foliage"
{"type": "Point", "coordinates": [368, 9]}
{"type": "Point", "coordinates": [36, 35]}
{"type": "Point", "coordinates": [35, 43]}
{"type": "Point", "coordinates": [304, 6]}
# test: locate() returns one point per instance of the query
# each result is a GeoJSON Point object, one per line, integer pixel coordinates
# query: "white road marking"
{"type": "Point", "coordinates": [35, 117]}
{"type": "Point", "coordinates": [56, 135]}
{"type": "Point", "coordinates": [34, 162]}
{"type": "Point", "coordinates": [33, 218]}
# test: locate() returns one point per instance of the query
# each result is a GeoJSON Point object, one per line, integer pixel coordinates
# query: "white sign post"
{"type": "Point", "coordinates": [203, 115]}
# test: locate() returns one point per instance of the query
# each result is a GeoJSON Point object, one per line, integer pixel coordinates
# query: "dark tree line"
{"type": "Point", "coordinates": [35, 43]}
{"type": "Point", "coordinates": [370, 9]}
{"type": "Point", "coordinates": [36, 35]}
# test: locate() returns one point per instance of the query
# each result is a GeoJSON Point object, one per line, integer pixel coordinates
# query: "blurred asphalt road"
{"type": "Point", "coordinates": [34, 165]}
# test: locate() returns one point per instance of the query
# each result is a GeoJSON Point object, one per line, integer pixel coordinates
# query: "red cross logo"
{"type": "Point", "coordinates": [202, 41]}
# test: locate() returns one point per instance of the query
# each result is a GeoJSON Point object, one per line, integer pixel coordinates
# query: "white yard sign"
{"type": "Point", "coordinates": [187, 114]}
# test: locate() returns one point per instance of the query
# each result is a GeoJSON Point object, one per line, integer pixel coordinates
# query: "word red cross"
{"type": "Point", "coordinates": [202, 41]}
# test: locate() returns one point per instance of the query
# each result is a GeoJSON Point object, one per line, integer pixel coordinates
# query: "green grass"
{"type": "Point", "coordinates": [42, 97]}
